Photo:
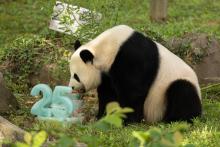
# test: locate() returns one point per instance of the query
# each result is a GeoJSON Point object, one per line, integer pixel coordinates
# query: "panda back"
{"type": "Point", "coordinates": [105, 47]}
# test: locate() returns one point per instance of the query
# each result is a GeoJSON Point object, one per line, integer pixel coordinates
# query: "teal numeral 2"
{"type": "Point", "coordinates": [53, 104]}
{"type": "Point", "coordinates": [41, 108]}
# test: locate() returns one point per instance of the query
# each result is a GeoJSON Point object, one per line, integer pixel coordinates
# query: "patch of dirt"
{"type": "Point", "coordinates": [213, 23]}
{"type": "Point", "coordinates": [90, 106]}
{"type": "Point", "coordinates": [8, 100]}
{"type": "Point", "coordinates": [46, 76]}
{"type": "Point", "coordinates": [202, 52]}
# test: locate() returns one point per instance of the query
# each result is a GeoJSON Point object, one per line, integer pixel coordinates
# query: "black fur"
{"type": "Point", "coordinates": [86, 56]}
{"type": "Point", "coordinates": [106, 94]}
{"type": "Point", "coordinates": [76, 77]}
{"type": "Point", "coordinates": [77, 44]}
{"type": "Point", "coordinates": [132, 74]}
{"type": "Point", "coordinates": [183, 103]}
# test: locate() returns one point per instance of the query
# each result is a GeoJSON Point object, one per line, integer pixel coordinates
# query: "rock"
{"type": "Point", "coordinates": [208, 69]}
{"type": "Point", "coordinates": [8, 100]}
{"type": "Point", "coordinates": [202, 52]}
{"type": "Point", "coordinates": [10, 131]}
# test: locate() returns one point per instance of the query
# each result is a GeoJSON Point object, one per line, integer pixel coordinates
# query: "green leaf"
{"type": "Point", "coordinates": [126, 110]}
{"type": "Point", "coordinates": [112, 107]}
{"type": "Point", "coordinates": [119, 114]}
{"type": "Point", "coordinates": [28, 138]}
{"type": "Point", "coordinates": [102, 125]}
{"type": "Point", "coordinates": [20, 144]}
{"type": "Point", "coordinates": [143, 137]}
{"type": "Point", "coordinates": [39, 139]}
{"type": "Point", "coordinates": [114, 120]}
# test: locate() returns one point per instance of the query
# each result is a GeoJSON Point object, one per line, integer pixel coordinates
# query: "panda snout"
{"type": "Point", "coordinates": [82, 90]}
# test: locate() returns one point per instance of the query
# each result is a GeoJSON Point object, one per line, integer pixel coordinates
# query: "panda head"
{"type": "Point", "coordinates": [92, 59]}
{"type": "Point", "coordinates": [84, 76]}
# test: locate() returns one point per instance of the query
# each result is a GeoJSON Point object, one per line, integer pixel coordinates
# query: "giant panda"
{"type": "Point", "coordinates": [128, 67]}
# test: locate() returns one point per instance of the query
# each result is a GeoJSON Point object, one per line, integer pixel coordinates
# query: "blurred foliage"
{"type": "Point", "coordinates": [205, 131]}
{"type": "Point", "coordinates": [33, 139]}
{"type": "Point", "coordinates": [115, 114]}
{"type": "Point", "coordinates": [159, 138]}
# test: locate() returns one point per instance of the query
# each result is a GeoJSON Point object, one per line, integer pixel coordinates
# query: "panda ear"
{"type": "Point", "coordinates": [86, 56]}
{"type": "Point", "coordinates": [77, 44]}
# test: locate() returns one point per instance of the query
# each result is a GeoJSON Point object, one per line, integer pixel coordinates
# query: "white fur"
{"type": "Point", "coordinates": [171, 69]}
{"type": "Point", "coordinates": [89, 76]}
{"type": "Point", "coordinates": [105, 47]}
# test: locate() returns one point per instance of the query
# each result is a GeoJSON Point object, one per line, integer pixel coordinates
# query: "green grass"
{"type": "Point", "coordinates": [32, 17]}
{"type": "Point", "coordinates": [20, 18]}
{"type": "Point", "coordinates": [23, 17]}
{"type": "Point", "coordinates": [204, 132]}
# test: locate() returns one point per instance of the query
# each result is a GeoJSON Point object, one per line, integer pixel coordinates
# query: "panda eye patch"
{"type": "Point", "coordinates": [76, 77]}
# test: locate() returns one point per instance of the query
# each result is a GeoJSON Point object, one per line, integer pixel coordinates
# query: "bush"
{"type": "Point", "coordinates": [25, 56]}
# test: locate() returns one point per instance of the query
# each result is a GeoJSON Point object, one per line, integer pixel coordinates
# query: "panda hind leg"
{"type": "Point", "coordinates": [183, 102]}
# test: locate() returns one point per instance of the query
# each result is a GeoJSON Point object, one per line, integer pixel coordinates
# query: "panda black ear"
{"type": "Point", "coordinates": [77, 44]}
{"type": "Point", "coordinates": [86, 56]}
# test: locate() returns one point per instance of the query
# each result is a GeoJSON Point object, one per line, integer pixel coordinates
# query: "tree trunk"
{"type": "Point", "coordinates": [158, 10]}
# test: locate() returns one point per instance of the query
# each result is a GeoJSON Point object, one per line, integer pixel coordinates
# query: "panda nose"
{"type": "Point", "coordinates": [72, 87]}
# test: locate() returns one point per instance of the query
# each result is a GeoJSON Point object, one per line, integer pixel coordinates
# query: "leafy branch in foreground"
{"type": "Point", "coordinates": [114, 116]}
{"type": "Point", "coordinates": [159, 137]}
{"type": "Point", "coordinates": [33, 139]}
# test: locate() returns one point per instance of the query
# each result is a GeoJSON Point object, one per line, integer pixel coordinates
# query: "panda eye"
{"type": "Point", "coordinates": [76, 77]}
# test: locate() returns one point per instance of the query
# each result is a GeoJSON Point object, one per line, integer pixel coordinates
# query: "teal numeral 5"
{"type": "Point", "coordinates": [62, 102]}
